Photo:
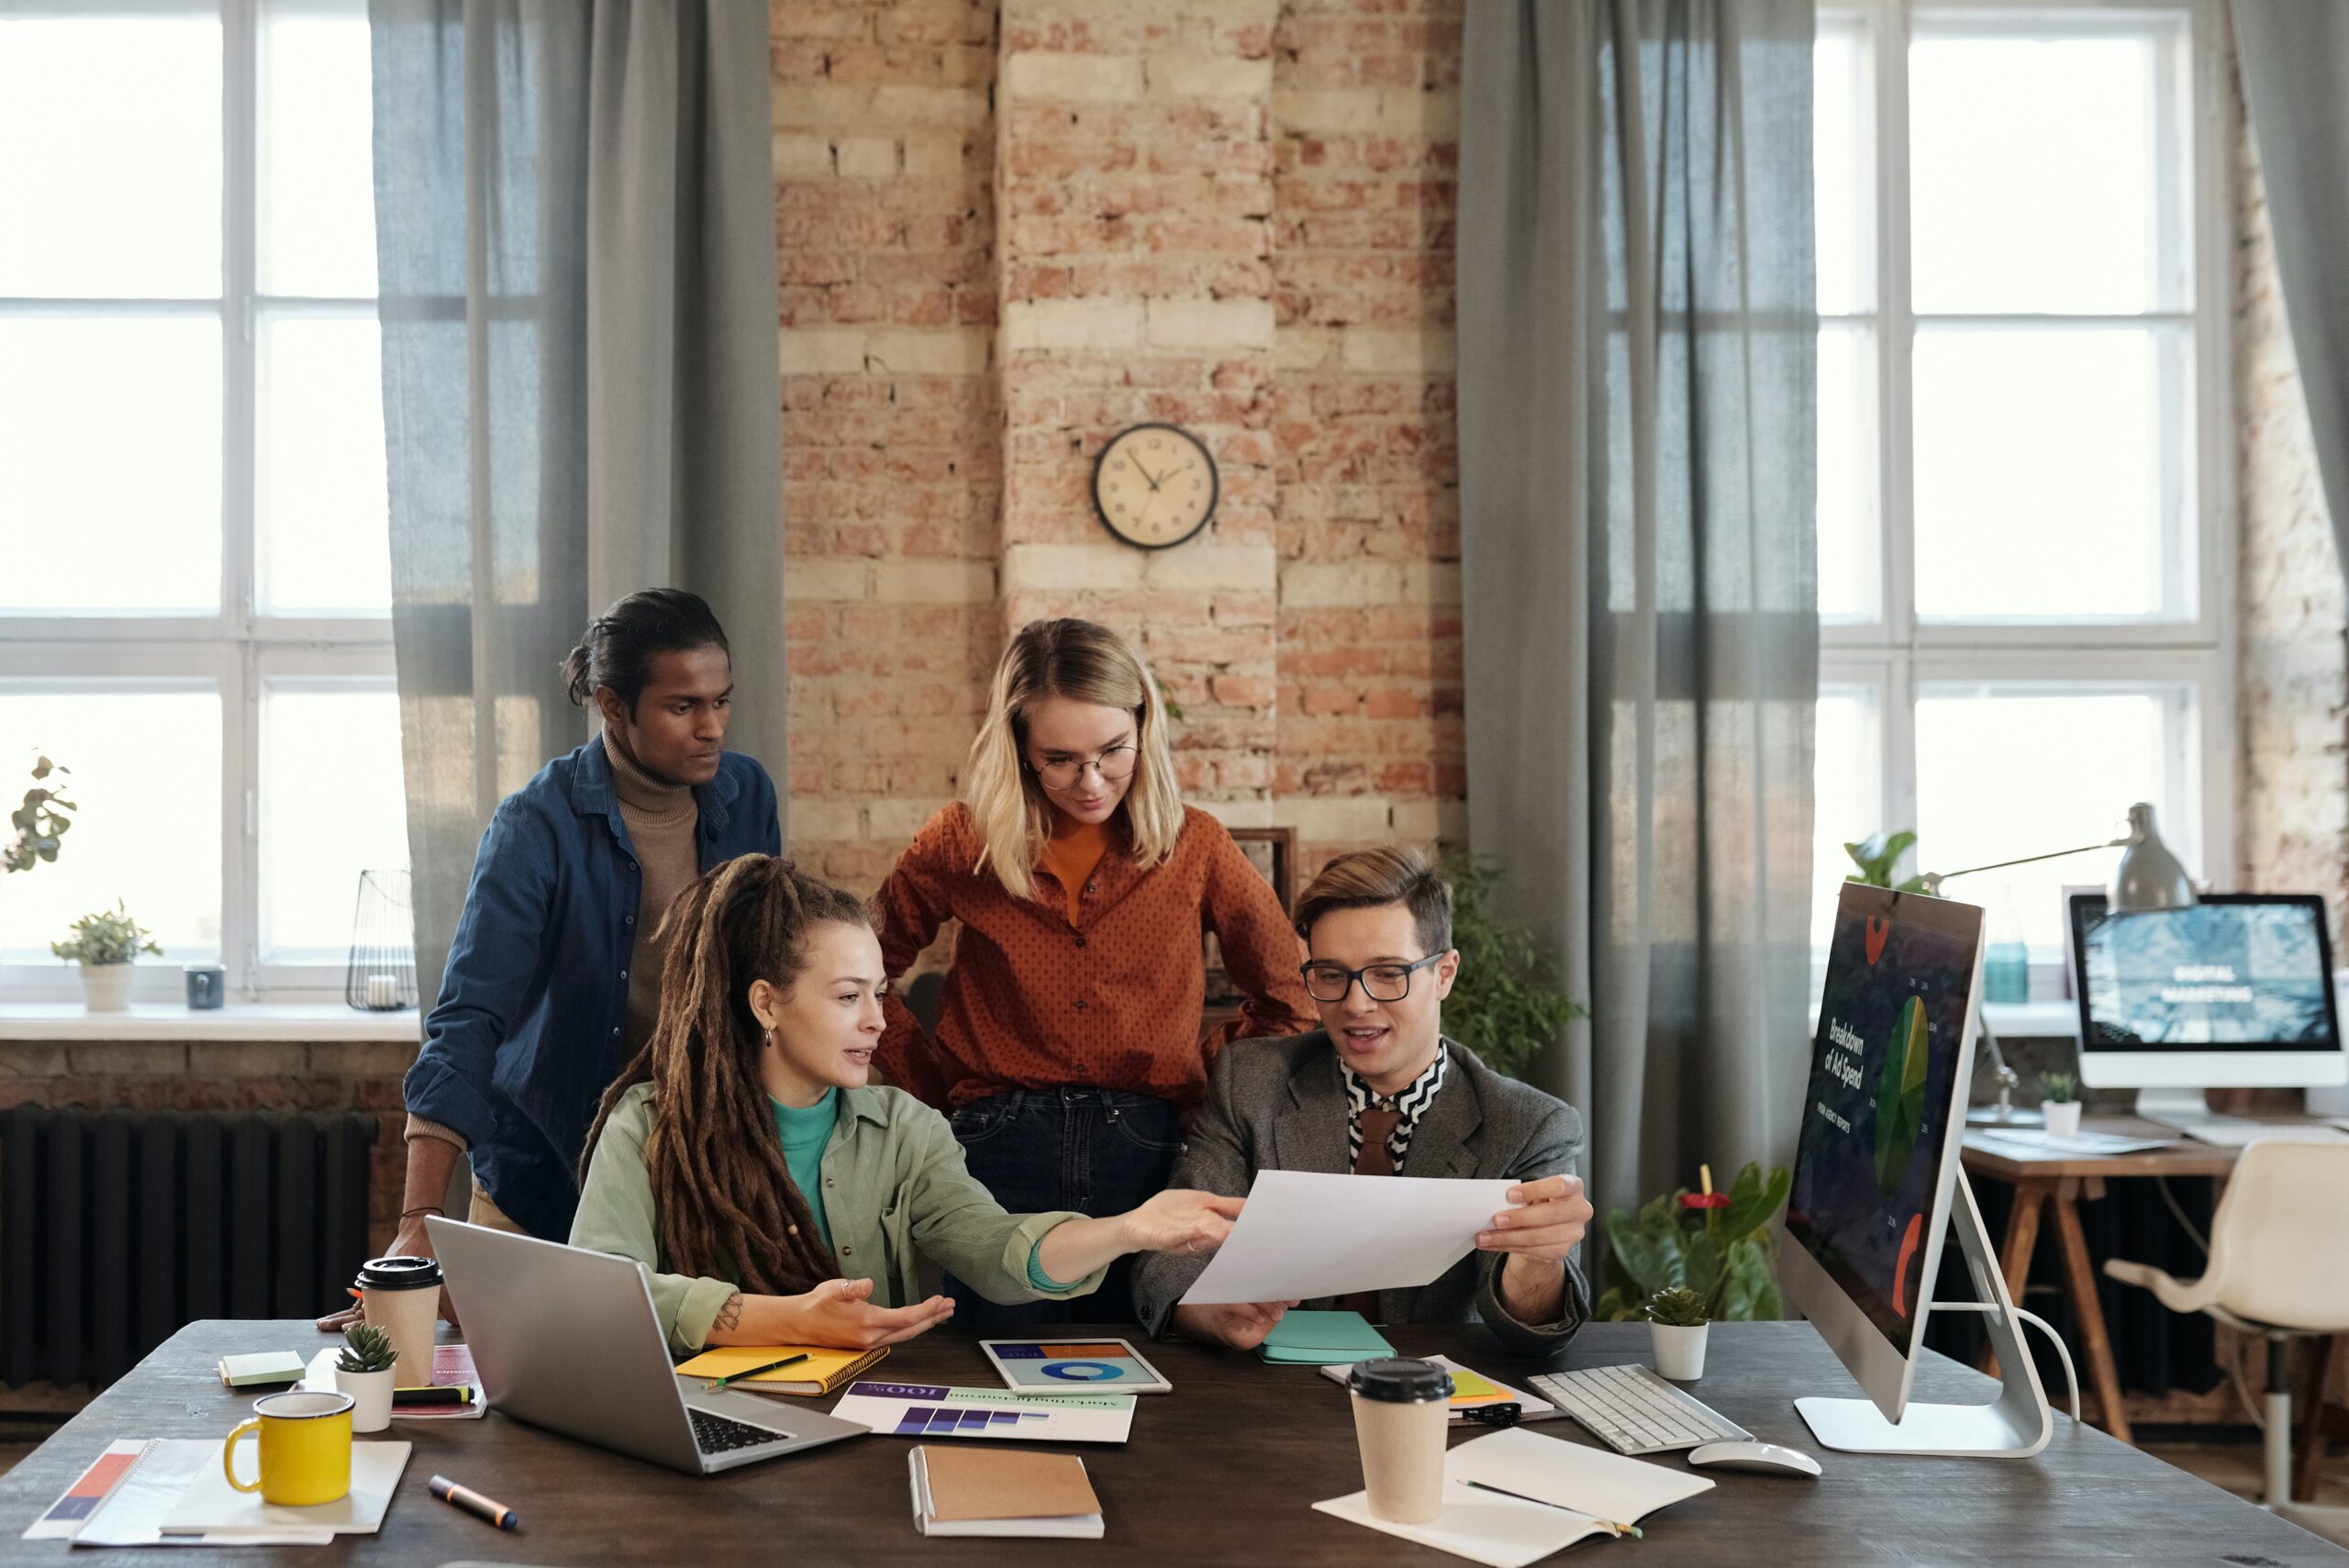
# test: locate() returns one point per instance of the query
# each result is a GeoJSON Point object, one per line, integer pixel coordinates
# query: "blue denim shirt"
{"type": "Point", "coordinates": [526, 1035]}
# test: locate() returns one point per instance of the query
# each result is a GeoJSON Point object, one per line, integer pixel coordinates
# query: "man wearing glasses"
{"type": "Point", "coordinates": [1377, 1090]}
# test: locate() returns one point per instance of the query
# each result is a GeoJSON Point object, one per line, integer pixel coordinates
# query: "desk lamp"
{"type": "Point", "coordinates": [2149, 878]}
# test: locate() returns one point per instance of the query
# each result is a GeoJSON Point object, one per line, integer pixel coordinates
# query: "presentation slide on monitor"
{"type": "Point", "coordinates": [2215, 975]}
{"type": "Point", "coordinates": [1890, 1024]}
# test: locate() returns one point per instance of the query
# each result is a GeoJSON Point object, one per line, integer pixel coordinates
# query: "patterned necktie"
{"type": "Point", "coordinates": [1378, 1126]}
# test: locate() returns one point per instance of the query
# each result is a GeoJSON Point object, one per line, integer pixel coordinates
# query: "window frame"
{"type": "Point", "coordinates": [1898, 653]}
{"type": "Point", "coordinates": [238, 646]}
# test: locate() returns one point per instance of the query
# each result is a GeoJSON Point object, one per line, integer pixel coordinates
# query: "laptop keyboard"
{"type": "Point", "coordinates": [716, 1434]}
{"type": "Point", "coordinates": [1633, 1410]}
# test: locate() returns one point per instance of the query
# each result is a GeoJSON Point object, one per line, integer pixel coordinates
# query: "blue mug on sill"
{"type": "Point", "coordinates": [207, 985]}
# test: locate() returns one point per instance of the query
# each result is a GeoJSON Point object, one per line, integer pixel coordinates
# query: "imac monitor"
{"type": "Point", "coordinates": [2233, 992]}
{"type": "Point", "coordinates": [1882, 1119]}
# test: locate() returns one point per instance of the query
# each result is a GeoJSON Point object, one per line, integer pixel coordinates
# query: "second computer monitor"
{"type": "Point", "coordinates": [2235, 991]}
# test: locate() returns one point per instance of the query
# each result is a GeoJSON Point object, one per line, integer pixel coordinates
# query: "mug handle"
{"type": "Point", "coordinates": [228, 1456]}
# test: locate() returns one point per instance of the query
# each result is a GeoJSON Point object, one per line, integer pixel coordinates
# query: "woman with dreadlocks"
{"type": "Point", "coordinates": [772, 1197]}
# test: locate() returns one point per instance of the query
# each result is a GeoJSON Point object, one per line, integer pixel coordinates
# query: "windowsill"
{"type": "Point", "coordinates": [308, 1021]}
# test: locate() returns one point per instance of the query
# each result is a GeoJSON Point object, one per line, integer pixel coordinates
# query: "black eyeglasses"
{"type": "Point", "coordinates": [1380, 982]}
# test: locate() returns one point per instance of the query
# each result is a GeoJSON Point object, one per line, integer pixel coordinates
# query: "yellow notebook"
{"type": "Point", "coordinates": [823, 1370]}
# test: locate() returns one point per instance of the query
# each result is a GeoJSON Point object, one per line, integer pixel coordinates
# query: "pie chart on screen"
{"type": "Point", "coordinates": [1901, 1095]}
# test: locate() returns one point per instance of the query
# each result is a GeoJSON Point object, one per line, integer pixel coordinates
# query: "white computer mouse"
{"type": "Point", "coordinates": [1770, 1459]}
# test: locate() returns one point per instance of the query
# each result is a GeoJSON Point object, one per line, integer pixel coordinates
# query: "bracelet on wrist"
{"type": "Point", "coordinates": [425, 1208]}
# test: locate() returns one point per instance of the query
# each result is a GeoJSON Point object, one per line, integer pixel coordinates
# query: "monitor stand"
{"type": "Point", "coordinates": [2183, 1110]}
{"type": "Point", "coordinates": [2016, 1424]}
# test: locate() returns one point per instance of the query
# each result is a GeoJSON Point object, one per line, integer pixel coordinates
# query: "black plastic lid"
{"type": "Point", "coordinates": [399, 1273]}
{"type": "Point", "coordinates": [1400, 1382]}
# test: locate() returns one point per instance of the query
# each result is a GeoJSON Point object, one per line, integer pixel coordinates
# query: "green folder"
{"type": "Point", "coordinates": [1324, 1338]}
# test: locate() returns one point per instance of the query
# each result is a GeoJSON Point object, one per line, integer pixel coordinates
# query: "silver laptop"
{"type": "Point", "coordinates": [568, 1339]}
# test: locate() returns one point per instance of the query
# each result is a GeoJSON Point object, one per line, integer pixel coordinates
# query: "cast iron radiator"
{"type": "Point", "coordinates": [117, 1227]}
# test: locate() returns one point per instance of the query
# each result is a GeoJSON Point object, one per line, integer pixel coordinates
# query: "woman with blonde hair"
{"type": "Point", "coordinates": [1069, 1047]}
{"type": "Point", "coordinates": [772, 1197]}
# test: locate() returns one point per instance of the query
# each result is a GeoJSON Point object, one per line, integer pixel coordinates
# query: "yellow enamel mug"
{"type": "Point", "coordinates": [305, 1448]}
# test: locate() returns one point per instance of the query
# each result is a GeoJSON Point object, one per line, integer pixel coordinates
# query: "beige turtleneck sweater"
{"type": "Point", "coordinates": [660, 819]}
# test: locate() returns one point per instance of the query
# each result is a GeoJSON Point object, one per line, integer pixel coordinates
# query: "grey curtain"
{"type": "Point", "coordinates": [575, 215]}
{"type": "Point", "coordinates": [2295, 57]}
{"type": "Point", "coordinates": [1637, 429]}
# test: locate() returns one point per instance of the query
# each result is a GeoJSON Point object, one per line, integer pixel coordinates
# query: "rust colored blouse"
{"type": "Point", "coordinates": [1034, 1000]}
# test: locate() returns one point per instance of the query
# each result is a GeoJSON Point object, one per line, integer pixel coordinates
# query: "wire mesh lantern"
{"type": "Point", "coordinates": [382, 976]}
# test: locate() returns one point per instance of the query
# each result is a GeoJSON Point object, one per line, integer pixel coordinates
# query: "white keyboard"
{"type": "Point", "coordinates": [1633, 1410]}
{"type": "Point", "coordinates": [2232, 1134]}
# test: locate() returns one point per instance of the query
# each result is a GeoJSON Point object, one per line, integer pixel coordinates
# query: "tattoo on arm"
{"type": "Point", "coordinates": [729, 1317]}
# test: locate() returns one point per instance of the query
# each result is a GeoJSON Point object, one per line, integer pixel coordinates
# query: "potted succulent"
{"type": "Point", "coordinates": [2060, 1103]}
{"type": "Point", "coordinates": [106, 945]}
{"type": "Point", "coordinates": [364, 1369]}
{"type": "Point", "coordinates": [1676, 1324]}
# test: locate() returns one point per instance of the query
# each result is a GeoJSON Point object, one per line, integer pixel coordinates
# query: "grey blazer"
{"type": "Point", "coordinates": [1280, 1105]}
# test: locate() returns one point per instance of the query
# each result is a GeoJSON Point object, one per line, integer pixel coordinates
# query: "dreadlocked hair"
{"type": "Point", "coordinates": [725, 1197]}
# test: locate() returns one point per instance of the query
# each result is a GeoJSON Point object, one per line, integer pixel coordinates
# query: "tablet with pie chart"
{"type": "Point", "coordinates": [1073, 1366]}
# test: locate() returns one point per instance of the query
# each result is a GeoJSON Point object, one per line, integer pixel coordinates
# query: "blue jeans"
{"type": "Point", "coordinates": [1099, 1151]}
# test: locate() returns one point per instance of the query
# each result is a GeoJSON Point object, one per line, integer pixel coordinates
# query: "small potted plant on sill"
{"type": "Point", "coordinates": [1676, 1325]}
{"type": "Point", "coordinates": [2060, 1103]}
{"type": "Point", "coordinates": [106, 945]}
{"type": "Point", "coordinates": [364, 1369]}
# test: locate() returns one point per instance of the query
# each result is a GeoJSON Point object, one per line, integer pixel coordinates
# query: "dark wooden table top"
{"type": "Point", "coordinates": [2180, 1156]}
{"type": "Point", "coordinates": [1222, 1470]}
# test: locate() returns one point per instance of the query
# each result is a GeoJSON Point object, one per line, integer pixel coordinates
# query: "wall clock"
{"type": "Point", "coordinates": [1154, 485]}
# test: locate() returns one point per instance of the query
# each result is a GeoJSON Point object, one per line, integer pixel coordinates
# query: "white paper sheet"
{"type": "Point", "coordinates": [451, 1365]}
{"type": "Point", "coordinates": [1588, 1480]}
{"type": "Point", "coordinates": [1305, 1235]}
{"type": "Point", "coordinates": [134, 1511]}
{"type": "Point", "coordinates": [1483, 1527]}
{"type": "Point", "coordinates": [2042, 1141]}
{"type": "Point", "coordinates": [210, 1505]}
{"type": "Point", "coordinates": [935, 1410]}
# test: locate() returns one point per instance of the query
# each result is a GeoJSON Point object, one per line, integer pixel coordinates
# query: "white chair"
{"type": "Point", "coordinates": [2278, 1268]}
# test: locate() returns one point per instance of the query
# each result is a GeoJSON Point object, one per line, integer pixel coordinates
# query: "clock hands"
{"type": "Point", "coordinates": [1145, 474]}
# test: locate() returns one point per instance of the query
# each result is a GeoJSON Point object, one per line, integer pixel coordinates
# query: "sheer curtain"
{"type": "Point", "coordinates": [1637, 473]}
{"type": "Point", "coordinates": [574, 218]}
{"type": "Point", "coordinates": [2295, 58]}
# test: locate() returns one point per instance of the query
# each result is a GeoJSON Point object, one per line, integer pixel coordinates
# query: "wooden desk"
{"type": "Point", "coordinates": [2055, 1184]}
{"type": "Point", "coordinates": [1222, 1471]}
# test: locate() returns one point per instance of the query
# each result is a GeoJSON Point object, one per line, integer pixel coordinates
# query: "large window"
{"type": "Point", "coordinates": [2024, 518]}
{"type": "Point", "coordinates": [194, 616]}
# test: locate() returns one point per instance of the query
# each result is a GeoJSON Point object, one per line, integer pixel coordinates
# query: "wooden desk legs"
{"type": "Point", "coordinates": [2079, 1285]}
{"type": "Point", "coordinates": [2328, 1355]}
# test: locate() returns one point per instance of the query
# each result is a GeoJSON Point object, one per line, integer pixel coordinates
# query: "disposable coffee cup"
{"type": "Point", "coordinates": [402, 1298]}
{"type": "Point", "coordinates": [1401, 1411]}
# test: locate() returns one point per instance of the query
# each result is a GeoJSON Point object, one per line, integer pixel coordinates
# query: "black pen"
{"type": "Point", "coordinates": [473, 1503]}
{"type": "Point", "coordinates": [715, 1384]}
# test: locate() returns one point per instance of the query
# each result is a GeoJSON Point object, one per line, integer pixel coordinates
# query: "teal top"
{"type": "Point", "coordinates": [805, 1133]}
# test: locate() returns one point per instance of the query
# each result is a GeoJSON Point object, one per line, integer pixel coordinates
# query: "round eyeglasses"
{"type": "Point", "coordinates": [1380, 982]}
{"type": "Point", "coordinates": [1114, 766]}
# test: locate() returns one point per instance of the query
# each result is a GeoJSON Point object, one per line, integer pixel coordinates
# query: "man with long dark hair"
{"type": "Point", "coordinates": [554, 974]}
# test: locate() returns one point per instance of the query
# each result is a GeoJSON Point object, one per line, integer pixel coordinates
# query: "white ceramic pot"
{"type": "Point", "coordinates": [2064, 1120]}
{"type": "Point", "coordinates": [373, 1390]}
{"type": "Point", "coordinates": [1679, 1352]}
{"type": "Point", "coordinates": [106, 987]}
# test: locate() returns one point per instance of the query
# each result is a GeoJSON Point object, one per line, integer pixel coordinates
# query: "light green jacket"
{"type": "Point", "coordinates": [894, 1185]}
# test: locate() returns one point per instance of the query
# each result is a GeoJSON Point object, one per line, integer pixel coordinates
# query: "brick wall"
{"type": "Point", "coordinates": [1008, 230]}
{"type": "Point", "coordinates": [2293, 827]}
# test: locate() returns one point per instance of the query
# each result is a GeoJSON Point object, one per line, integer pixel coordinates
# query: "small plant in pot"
{"type": "Point", "coordinates": [364, 1369]}
{"type": "Point", "coordinates": [1676, 1325]}
{"type": "Point", "coordinates": [2060, 1103]}
{"type": "Point", "coordinates": [106, 945]}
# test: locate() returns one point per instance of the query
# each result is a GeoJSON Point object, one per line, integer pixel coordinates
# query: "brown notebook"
{"type": "Point", "coordinates": [979, 1491]}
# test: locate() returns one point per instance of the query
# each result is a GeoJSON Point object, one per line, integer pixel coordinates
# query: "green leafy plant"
{"type": "Point", "coordinates": [41, 822]}
{"type": "Point", "coordinates": [1719, 1250]}
{"type": "Point", "coordinates": [1506, 1004]}
{"type": "Point", "coordinates": [110, 936]}
{"type": "Point", "coordinates": [1677, 1306]}
{"type": "Point", "coordinates": [1878, 855]}
{"type": "Point", "coordinates": [366, 1347]}
{"type": "Point", "coordinates": [2059, 1088]}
